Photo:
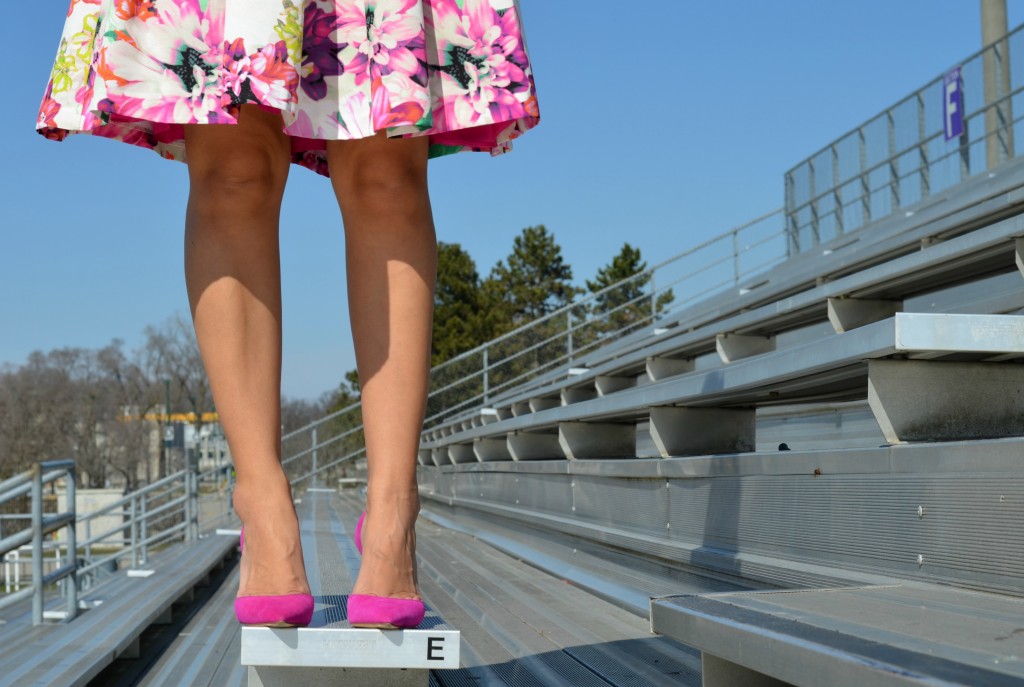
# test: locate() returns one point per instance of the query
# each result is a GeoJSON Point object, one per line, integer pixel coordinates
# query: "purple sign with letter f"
{"type": "Point", "coordinates": [953, 104]}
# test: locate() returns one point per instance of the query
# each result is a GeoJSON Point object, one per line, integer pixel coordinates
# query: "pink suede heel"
{"type": "Point", "coordinates": [384, 612]}
{"type": "Point", "coordinates": [381, 612]}
{"type": "Point", "coordinates": [358, 536]}
{"type": "Point", "coordinates": [280, 610]}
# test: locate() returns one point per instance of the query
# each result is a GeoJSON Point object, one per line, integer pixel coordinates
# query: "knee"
{"type": "Point", "coordinates": [240, 183]}
{"type": "Point", "coordinates": [383, 185]}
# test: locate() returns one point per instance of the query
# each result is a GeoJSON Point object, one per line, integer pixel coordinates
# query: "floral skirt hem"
{"type": "Point", "coordinates": [136, 71]}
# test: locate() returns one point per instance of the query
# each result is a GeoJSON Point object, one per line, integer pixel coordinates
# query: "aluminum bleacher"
{"type": "Point", "coordinates": [641, 465]}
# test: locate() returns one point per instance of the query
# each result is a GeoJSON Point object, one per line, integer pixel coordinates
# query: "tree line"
{"type": "Point", "coordinates": [89, 403]}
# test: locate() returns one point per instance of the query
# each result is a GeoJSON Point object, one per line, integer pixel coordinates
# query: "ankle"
{"type": "Point", "coordinates": [251, 497]}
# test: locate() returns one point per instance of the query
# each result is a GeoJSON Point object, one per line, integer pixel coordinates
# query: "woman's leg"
{"type": "Point", "coordinates": [237, 175]}
{"type": "Point", "coordinates": [391, 254]}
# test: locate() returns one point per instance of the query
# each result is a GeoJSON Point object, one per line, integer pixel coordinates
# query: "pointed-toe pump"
{"type": "Point", "coordinates": [280, 610]}
{"type": "Point", "coordinates": [381, 612]}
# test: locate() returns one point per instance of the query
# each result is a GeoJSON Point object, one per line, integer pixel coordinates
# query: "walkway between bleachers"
{"type": "Point", "coordinates": [519, 625]}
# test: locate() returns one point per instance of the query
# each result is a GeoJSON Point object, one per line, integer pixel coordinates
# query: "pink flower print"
{"type": "Point", "coordinates": [265, 77]}
{"type": "Point", "coordinates": [398, 101]}
{"type": "Point", "coordinates": [74, 3]}
{"type": "Point", "coordinates": [48, 110]}
{"type": "Point", "coordinates": [170, 72]}
{"type": "Point", "coordinates": [483, 58]}
{"type": "Point", "coordinates": [387, 38]}
{"type": "Point", "coordinates": [128, 9]}
{"type": "Point", "coordinates": [319, 51]}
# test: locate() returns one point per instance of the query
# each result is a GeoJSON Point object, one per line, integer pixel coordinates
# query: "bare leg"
{"type": "Point", "coordinates": [391, 253]}
{"type": "Point", "coordinates": [232, 270]}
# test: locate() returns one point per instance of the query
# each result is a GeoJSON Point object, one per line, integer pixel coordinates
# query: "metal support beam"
{"type": "Point", "coordinates": [521, 408]}
{"type": "Point", "coordinates": [583, 440]}
{"type": "Point", "coordinates": [1020, 255]}
{"type": "Point", "coordinates": [702, 431]}
{"type": "Point", "coordinates": [609, 385]}
{"type": "Point", "coordinates": [532, 446]}
{"type": "Point", "coordinates": [660, 368]}
{"type": "Point", "coordinates": [491, 449]}
{"type": "Point", "coordinates": [849, 313]}
{"type": "Point", "coordinates": [570, 396]}
{"type": "Point", "coordinates": [732, 347]}
{"type": "Point", "coordinates": [440, 457]}
{"type": "Point", "coordinates": [461, 453]}
{"type": "Point", "coordinates": [425, 456]}
{"type": "Point", "coordinates": [917, 400]}
{"type": "Point", "coordinates": [132, 650]}
{"type": "Point", "coordinates": [539, 404]}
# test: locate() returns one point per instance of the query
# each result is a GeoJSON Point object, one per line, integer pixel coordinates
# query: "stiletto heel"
{"type": "Point", "coordinates": [381, 612]}
{"type": "Point", "coordinates": [279, 610]}
{"type": "Point", "coordinates": [358, 536]}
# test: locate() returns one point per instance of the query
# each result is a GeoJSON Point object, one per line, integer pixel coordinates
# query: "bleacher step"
{"type": "Point", "coordinates": [350, 656]}
{"type": "Point", "coordinates": [893, 635]}
{"type": "Point", "coordinates": [330, 651]}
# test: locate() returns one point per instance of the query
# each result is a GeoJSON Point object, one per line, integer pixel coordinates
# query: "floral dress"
{"type": "Point", "coordinates": [457, 71]}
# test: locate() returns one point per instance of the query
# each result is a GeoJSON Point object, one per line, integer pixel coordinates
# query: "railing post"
{"type": "Point", "coordinates": [88, 540]}
{"type": "Point", "coordinates": [71, 581]}
{"type": "Point", "coordinates": [837, 194]}
{"type": "Point", "coordinates": [654, 298]}
{"type": "Point", "coordinates": [923, 148]}
{"type": "Point", "coordinates": [143, 530]}
{"type": "Point", "coordinates": [195, 501]}
{"type": "Point", "coordinates": [736, 257]}
{"type": "Point", "coordinates": [37, 544]}
{"type": "Point", "coordinates": [192, 531]}
{"type": "Point", "coordinates": [229, 506]}
{"type": "Point", "coordinates": [133, 529]}
{"type": "Point", "coordinates": [865, 185]}
{"type": "Point", "coordinates": [568, 335]}
{"type": "Point", "coordinates": [314, 457]}
{"type": "Point", "coordinates": [894, 165]}
{"type": "Point", "coordinates": [487, 385]}
{"type": "Point", "coordinates": [186, 481]}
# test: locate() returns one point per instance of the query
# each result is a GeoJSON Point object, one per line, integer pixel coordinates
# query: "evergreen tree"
{"type": "Point", "coordinates": [536, 281]}
{"type": "Point", "coordinates": [457, 304]}
{"type": "Point", "coordinates": [623, 303]}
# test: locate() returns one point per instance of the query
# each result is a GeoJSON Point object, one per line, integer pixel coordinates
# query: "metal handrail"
{"type": "Point", "coordinates": [32, 481]}
{"type": "Point", "coordinates": [825, 208]}
{"type": "Point", "coordinates": [146, 512]}
{"type": "Point", "coordinates": [479, 376]}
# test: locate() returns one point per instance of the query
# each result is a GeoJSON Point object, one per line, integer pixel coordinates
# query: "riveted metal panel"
{"type": "Point", "coordinates": [949, 528]}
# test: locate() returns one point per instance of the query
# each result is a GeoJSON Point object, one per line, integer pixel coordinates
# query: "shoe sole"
{"type": "Point", "coordinates": [279, 624]}
{"type": "Point", "coordinates": [378, 626]}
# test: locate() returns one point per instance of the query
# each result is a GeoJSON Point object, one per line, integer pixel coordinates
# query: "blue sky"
{"type": "Point", "coordinates": [661, 125]}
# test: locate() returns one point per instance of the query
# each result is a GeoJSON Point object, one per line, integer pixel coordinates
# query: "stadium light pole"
{"type": "Point", "coordinates": [998, 114]}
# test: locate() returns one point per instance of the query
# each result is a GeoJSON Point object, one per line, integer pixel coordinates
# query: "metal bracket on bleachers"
{"type": "Point", "coordinates": [849, 313]}
{"type": "Point", "coordinates": [534, 446]}
{"type": "Point", "coordinates": [583, 440]}
{"type": "Point", "coordinates": [920, 400]}
{"type": "Point", "coordinates": [702, 431]}
{"type": "Point", "coordinates": [491, 449]}
{"type": "Point", "coordinates": [732, 347]}
{"type": "Point", "coordinates": [659, 368]}
{"type": "Point", "coordinates": [713, 411]}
